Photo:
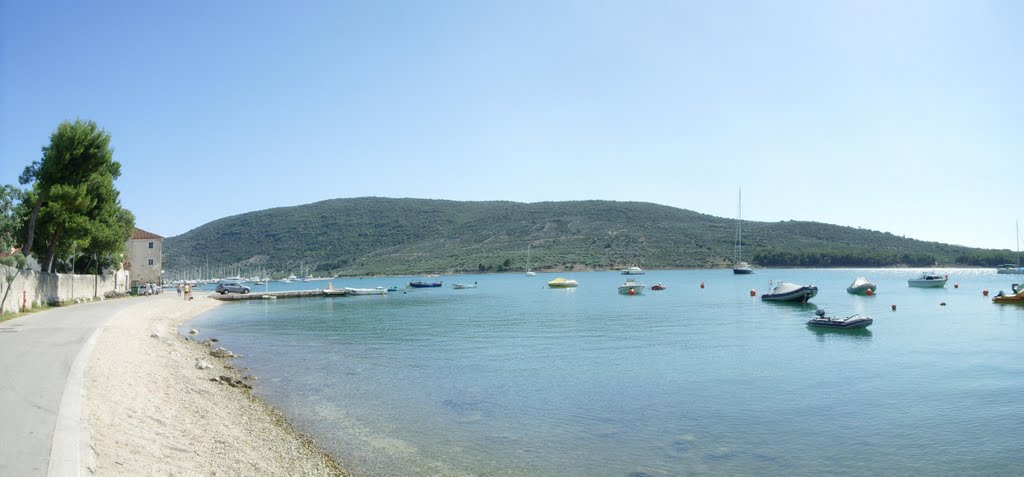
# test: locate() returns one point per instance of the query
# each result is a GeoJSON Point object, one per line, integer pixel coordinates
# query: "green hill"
{"type": "Point", "coordinates": [371, 235]}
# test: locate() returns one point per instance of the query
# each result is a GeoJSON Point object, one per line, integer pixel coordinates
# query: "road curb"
{"type": "Point", "coordinates": [68, 434]}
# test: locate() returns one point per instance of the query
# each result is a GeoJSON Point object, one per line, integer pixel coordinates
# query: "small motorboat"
{"type": "Point", "coordinates": [425, 284]}
{"type": "Point", "coordinates": [392, 289]}
{"type": "Point", "coordinates": [633, 271]}
{"type": "Point", "coordinates": [563, 283]}
{"type": "Point", "coordinates": [862, 286]}
{"type": "Point", "coordinates": [928, 280]}
{"type": "Point", "coordinates": [366, 291]}
{"type": "Point", "coordinates": [850, 322]}
{"type": "Point", "coordinates": [463, 286]}
{"type": "Point", "coordinates": [786, 291]}
{"type": "Point", "coordinates": [658, 287]}
{"type": "Point", "coordinates": [1016, 297]}
{"type": "Point", "coordinates": [631, 287]}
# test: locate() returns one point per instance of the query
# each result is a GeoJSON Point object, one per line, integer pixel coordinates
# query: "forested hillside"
{"type": "Point", "coordinates": [370, 235]}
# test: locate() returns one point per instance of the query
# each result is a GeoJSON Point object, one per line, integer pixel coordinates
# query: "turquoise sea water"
{"type": "Point", "coordinates": [513, 378]}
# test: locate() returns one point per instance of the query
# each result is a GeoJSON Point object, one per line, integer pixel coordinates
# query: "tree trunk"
{"type": "Point", "coordinates": [31, 229]}
{"type": "Point", "coordinates": [5, 296]}
{"type": "Point", "coordinates": [51, 251]}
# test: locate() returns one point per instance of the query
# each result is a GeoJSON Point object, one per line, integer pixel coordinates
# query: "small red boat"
{"type": "Point", "coordinates": [658, 287]}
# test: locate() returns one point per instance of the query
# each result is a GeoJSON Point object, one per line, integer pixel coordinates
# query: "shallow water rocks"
{"type": "Point", "coordinates": [222, 353]}
{"type": "Point", "coordinates": [200, 364]}
{"type": "Point", "coordinates": [235, 383]}
{"type": "Point", "coordinates": [193, 331]}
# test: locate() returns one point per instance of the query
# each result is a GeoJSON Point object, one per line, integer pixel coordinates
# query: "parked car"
{"type": "Point", "coordinates": [231, 287]}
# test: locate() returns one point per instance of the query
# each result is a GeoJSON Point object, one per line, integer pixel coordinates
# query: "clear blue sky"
{"type": "Point", "coordinates": [903, 117]}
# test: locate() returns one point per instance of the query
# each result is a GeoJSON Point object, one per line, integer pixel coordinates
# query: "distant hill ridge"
{"type": "Point", "coordinates": [375, 235]}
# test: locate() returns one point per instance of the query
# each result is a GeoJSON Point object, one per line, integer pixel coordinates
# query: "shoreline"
{"type": "Point", "coordinates": [149, 409]}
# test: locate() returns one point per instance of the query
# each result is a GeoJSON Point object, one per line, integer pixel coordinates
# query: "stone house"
{"type": "Point", "coordinates": [145, 259]}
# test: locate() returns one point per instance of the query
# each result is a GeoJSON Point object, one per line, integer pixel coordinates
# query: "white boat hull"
{"type": "Point", "coordinates": [914, 283]}
{"type": "Point", "coordinates": [791, 292]}
{"type": "Point", "coordinates": [366, 291]}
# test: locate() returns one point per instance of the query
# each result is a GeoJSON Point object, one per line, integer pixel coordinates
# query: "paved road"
{"type": "Point", "coordinates": [37, 363]}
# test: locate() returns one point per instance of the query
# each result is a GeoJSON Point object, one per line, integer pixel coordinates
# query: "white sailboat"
{"type": "Point", "coordinates": [1009, 268]}
{"type": "Point", "coordinates": [529, 272]}
{"type": "Point", "coordinates": [739, 266]}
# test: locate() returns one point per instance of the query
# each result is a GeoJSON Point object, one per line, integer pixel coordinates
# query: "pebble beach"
{"type": "Point", "coordinates": [158, 403]}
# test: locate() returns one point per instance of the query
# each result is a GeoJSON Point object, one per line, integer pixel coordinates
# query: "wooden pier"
{"type": "Point", "coordinates": [278, 294]}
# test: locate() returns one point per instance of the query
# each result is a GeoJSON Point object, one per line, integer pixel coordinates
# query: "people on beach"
{"type": "Point", "coordinates": [178, 287]}
{"type": "Point", "coordinates": [188, 291]}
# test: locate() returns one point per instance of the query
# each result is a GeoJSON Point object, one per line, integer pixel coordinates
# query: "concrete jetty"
{"type": "Point", "coordinates": [278, 294]}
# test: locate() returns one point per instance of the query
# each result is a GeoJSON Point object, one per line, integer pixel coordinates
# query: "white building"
{"type": "Point", "coordinates": [145, 261]}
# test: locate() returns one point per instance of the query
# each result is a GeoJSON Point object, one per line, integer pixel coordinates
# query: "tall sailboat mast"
{"type": "Point", "coordinates": [738, 252]}
{"type": "Point", "coordinates": [740, 267]}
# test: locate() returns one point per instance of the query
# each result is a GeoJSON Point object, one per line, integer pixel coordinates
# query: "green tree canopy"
{"type": "Point", "coordinates": [76, 208]}
{"type": "Point", "coordinates": [10, 221]}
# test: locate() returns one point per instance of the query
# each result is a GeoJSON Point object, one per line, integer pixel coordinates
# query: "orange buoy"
{"type": "Point", "coordinates": [631, 292]}
{"type": "Point", "coordinates": [753, 292]}
{"type": "Point", "coordinates": [869, 292]}
{"type": "Point", "coordinates": [984, 292]}
{"type": "Point", "coordinates": [956, 285]}
{"type": "Point", "coordinates": [894, 308]}
{"type": "Point", "coordinates": [702, 285]}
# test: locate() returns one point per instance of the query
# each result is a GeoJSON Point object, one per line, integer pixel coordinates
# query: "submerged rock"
{"type": "Point", "coordinates": [193, 331]}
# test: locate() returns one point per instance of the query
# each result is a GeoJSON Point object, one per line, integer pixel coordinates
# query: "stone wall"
{"type": "Point", "coordinates": [33, 288]}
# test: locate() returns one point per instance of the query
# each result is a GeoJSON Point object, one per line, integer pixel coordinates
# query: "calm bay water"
{"type": "Point", "coordinates": [513, 378]}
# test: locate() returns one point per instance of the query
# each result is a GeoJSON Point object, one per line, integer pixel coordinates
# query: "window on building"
{"type": "Point", "coordinates": [151, 246]}
{"type": "Point", "coordinates": [151, 262]}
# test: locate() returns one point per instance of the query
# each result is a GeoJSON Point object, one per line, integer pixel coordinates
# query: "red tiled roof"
{"type": "Point", "coordinates": [142, 234]}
